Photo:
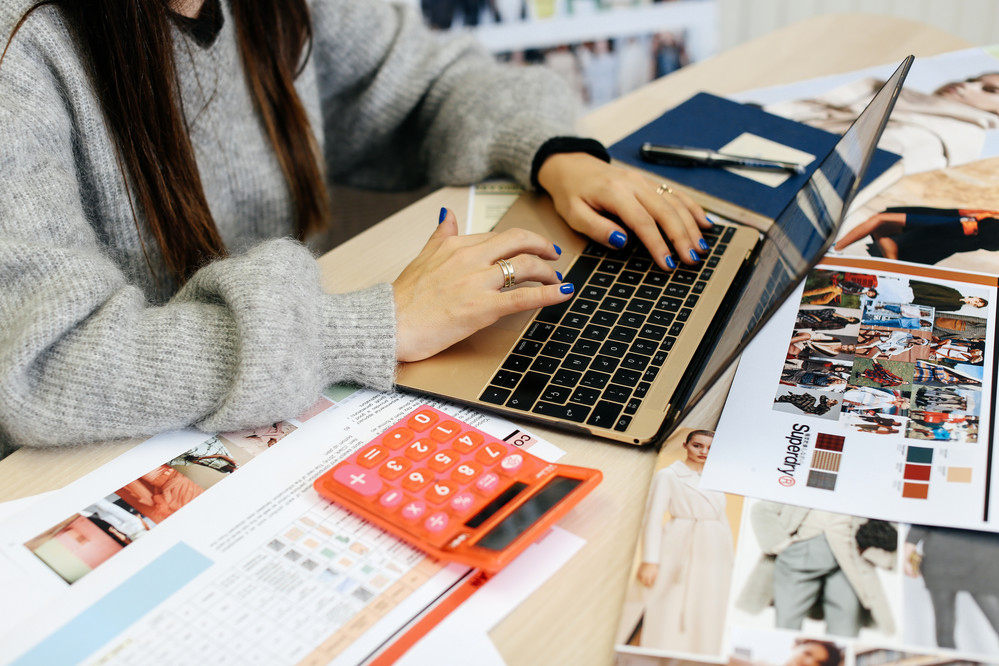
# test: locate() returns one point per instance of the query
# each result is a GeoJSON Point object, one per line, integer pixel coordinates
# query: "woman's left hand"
{"type": "Point", "coordinates": [589, 192]}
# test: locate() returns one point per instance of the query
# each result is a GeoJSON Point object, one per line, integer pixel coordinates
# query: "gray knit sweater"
{"type": "Point", "coordinates": [92, 347]}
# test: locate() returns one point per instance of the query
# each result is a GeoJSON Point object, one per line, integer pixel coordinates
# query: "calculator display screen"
{"type": "Point", "coordinates": [528, 513]}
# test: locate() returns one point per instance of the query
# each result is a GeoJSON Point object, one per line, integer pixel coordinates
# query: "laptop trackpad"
{"type": "Point", "coordinates": [515, 322]}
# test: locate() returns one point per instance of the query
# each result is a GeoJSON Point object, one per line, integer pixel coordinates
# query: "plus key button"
{"type": "Point", "coordinates": [360, 480]}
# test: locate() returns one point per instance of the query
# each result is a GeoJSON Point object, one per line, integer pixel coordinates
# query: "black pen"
{"type": "Point", "coordinates": [686, 156]}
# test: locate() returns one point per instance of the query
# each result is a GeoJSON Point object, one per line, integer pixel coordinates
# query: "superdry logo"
{"type": "Point", "coordinates": [794, 454]}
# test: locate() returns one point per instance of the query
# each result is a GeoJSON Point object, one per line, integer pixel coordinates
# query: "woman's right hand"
{"type": "Point", "coordinates": [454, 287]}
{"type": "Point", "coordinates": [647, 573]}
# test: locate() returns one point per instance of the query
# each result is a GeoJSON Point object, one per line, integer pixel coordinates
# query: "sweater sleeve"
{"type": "Point", "coordinates": [84, 355]}
{"type": "Point", "coordinates": [400, 103]}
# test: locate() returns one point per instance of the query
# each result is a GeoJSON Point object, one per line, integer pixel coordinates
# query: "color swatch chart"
{"type": "Point", "coordinates": [824, 467]}
{"type": "Point", "coordinates": [918, 471]}
{"type": "Point", "coordinates": [301, 596]}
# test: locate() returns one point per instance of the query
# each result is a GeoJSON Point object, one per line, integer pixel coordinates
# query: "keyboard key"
{"type": "Point", "coordinates": [604, 363]}
{"type": "Point", "coordinates": [592, 332]}
{"type": "Point", "coordinates": [604, 318]}
{"type": "Point", "coordinates": [394, 468]}
{"type": "Point", "coordinates": [676, 290]}
{"type": "Point", "coordinates": [528, 347]}
{"type": "Point", "coordinates": [569, 412]}
{"type": "Point", "coordinates": [593, 293]}
{"type": "Point", "coordinates": [630, 277]}
{"type": "Point", "coordinates": [684, 276]}
{"type": "Point", "coordinates": [614, 348]}
{"type": "Point", "coordinates": [639, 305]}
{"type": "Point", "coordinates": [613, 305]}
{"type": "Point", "coordinates": [466, 472]}
{"type": "Point", "coordinates": [558, 394]}
{"type": "Point", "coordinates": [506, 379]}
{"type": "Point", "coordinates": [585, 395]}
{"type": "Point", "coordinates": [527, 391]}
{"type": "Point", "coordinates": [539, 330]}
{"type": "Point", "coordinates": [575, 362]}
{"type": "Point", "coordinates": [602, 280]}
{"type": "Point", "coordinates": [635, 362]}
{"type": "Point", "coordinates": [556, 349]}
{"type": "Point", "coordinates": [652, 332]}
{"type": "Point", "coordinates": [566, 377]}
{"type": "Point", "coordinates": [626, 377]}
{"type": "Point", "coordinates": [517, 363]}
{"type": "Point", "coordinates": [594, 379]}
{"type": "Point", "coordinates": [545, 364]}
{"type": "Point", "coordinates": [667, 343]}
{"type": "Point", "coordinates": [632, 406]}
{"type": "Point", "coordinates": [623, 334]}
{"type": "Point", "coordinates": [646, 347]}
{"type": "Point", "coordinates": [640, 264]}
{"type": "Point", "coordinates": [683, 314]}
{"type": "Point", "coordinates": [632, 320]}
{"type": "Point", "coordinates": [574, 320]}
{"type": "Point", "coordinates": [494, 395]}
{"type": "Point", "coordinates": [610, 266]}
{"type": "Point", "coordinates": [622, 423]}
{"type": "Point", "coordinates": [604, 414]}
{"type": "Point", "coordinates": [358, 479]}
{"type": "Point", "coordinates": [616, 393]}
{"type": "Point", "coordinates": [660, 318]}
{"type": "Point", "coordinates": [669, 303]}
{"type": "Point", "coordinates": [490, 453]}
{"type": "Point", "coordinates": [586, 347]}
{"type": "Point", "coordinates": [649, 292]}
{"type": "Point", "coordinates": [583, 306]}
{"type": "Point", "coordinates": [565, 334]}
{"type": "Point", "coordinates": [642, 390]}
{"type": "Point", "coordinates": [621, 291]}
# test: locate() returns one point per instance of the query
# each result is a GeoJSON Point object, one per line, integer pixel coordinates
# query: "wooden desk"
{"type": "Point", "coordinates": [573, 618]}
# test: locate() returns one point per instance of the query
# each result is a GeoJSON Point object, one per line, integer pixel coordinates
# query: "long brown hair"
{"type": "Point", "coordinates": [130, 56]}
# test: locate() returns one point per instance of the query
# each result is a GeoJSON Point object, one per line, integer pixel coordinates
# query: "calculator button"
{"type": "Point", "coordinates": [372, 456]}
{"type": "Point", "coordinates": [422, 420]}
{"type": "Point", "coordinates": [416, 480]}
{"type": "Point", "coordinates": [468, 442]}
{"type": "Point", "coordinates": [394, 468]}
{"type": "Point", "coordinates": [490, 453]}
{"type": "Point", "coordinates": [414, 509]}
{"type": "Point", "coordinates": [436, 522]}
{"type": "Point", "coordinates": [358, 479]}
{"type": "Point", "coordinates": [398, 438]}
{"type": "Point", "coordinates": [419, 449]}
{"type": "Point", "coordinates": [443, 460]}
{"type": "Point", "coordinates": [512, 463]}
{"type": "Point", "coordinates": [440, 491]}
{"type": "Point", "coordinates": [466, 472]}
{"type": "Point", "coordinates": [391, 499]}
{"type": "Point", "coordinates": [445, 431]}
{"type": "Point", "coordinates": [488, 482]}
{"type": "Point", "coordinates": [462, 502]}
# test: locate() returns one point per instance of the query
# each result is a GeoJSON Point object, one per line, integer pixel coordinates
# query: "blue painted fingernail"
{"type": "Point", "coordinates": [567, 288]}
{"type": "Point", "coordinates": [670, 261]}
{"type": "Point", "coordinates": [704, 245]}
{"type": "Point", "coordinates": [558, 250]}
{"type": "Point", "coordinates": [617, 239]}
{"type": "Point", "coordinates": [693, 255]}
{"type": "Point", "coordinates": [443, 215]}
{"type": "Point", "coordinates": [559, 275]}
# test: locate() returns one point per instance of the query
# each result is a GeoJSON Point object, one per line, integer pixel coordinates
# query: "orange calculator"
{"type": "Point", "coordinates": [454, 491]}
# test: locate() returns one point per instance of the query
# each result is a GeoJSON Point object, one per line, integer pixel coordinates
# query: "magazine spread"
{"type": "Point", "coordinates": [846, 512]}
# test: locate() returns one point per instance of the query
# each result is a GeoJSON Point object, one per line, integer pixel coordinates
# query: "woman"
{"type": "Point", "coordinates": [806, 345]}
{"type": "Point", "coordinates": [157, 156]}
{"type": "Point", "coordinates": [925, 235]}
{"type": "Point", "coordinates": [686, 562]}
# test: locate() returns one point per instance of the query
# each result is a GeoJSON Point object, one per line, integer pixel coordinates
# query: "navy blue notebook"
{"type": "Point", "coordinates": [709, 121]}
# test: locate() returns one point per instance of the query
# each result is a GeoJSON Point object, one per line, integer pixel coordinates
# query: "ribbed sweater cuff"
{"type": "Point", "coordinates": [358, 340]}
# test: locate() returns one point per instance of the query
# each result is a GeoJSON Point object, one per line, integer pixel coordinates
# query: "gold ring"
{"type": "Point", "coordinates": [664, 189]}
{"type": "Point", "coordinates": [509, 278]}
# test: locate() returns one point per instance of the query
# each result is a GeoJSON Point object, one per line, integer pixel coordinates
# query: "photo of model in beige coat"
{"type": "Point", "coordinates": [785, 577]}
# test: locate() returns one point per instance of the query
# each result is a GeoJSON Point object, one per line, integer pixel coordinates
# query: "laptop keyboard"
{"type": "Point", "coordinates": [593, 358]}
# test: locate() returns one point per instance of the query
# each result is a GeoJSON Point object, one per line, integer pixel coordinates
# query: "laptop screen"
{"type": "Point", "coordinates": [802, 233]}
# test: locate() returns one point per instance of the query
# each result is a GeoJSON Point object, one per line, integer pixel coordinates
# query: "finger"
{"type": "Point", "coordinates": [533, 298]}
{"type": "Point", "coordinates": [695, 209]}
{"type": "Point", "coordinates": [527, 268]}
{"type": "Point", "coordinates": [586, 220]}
{"type": "Point", "coordinates": [516, 241]}
{"type": "Point", "coordinates": [674, 220]}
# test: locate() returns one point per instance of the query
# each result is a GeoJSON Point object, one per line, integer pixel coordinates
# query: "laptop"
{"type": "Point", "coordinates": [636, 347]}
